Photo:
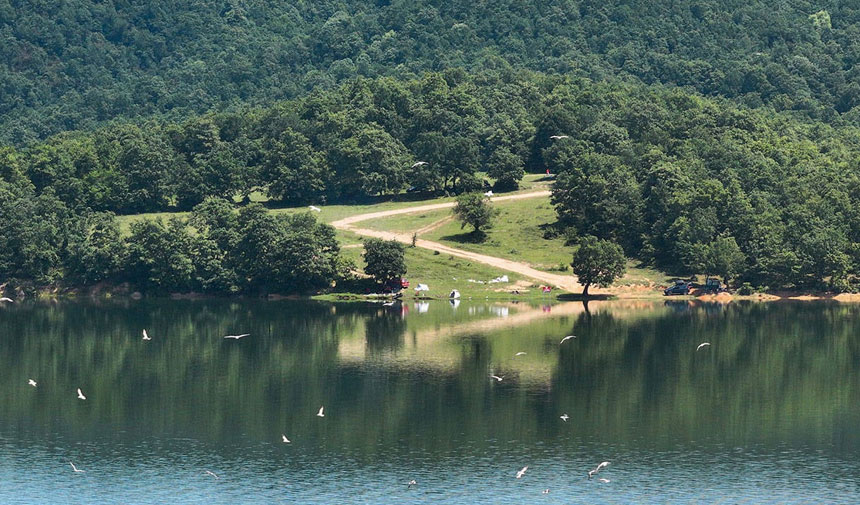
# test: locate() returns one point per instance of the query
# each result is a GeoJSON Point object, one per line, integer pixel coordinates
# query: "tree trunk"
{"type": "Point", "coordinates": [585, 291]}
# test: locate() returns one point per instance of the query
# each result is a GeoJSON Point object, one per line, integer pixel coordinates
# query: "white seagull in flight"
{"type": "Point", "coordinates": [76, 468]}
{"type": "Point", "coordinates": [320, 413]}
{"type": "Point", "coordinates": [212, 474]}
{"type": "Point", "coordinates": [314, 208]}
{"type": "Point", "coordinates": [558, 137]}
{"type": "Point", "coordinates": [31, 382]}
{"type": "Point", "coordinates": [703, 344]}
{"type": "Point", "coordinates": [599, 467]}
{"type": "Point", "coordinates": [519, 354]}
{"type": "Point", "coordinates": [497, 377]}
{"type": "Point", "coordinates": [5, 299]}
{"type": "Point", "coordinates": [566, 338]}
{"type": "Point", "coordinates": [145, 335]}
{"type": "Point", "coordinates": [419, 163]}
{"type": "Point", "coordinates": [605, 481]}
{"type": "Point", "coordinates": [81, 395]}
{"type": "Point", "coordinates": [522, 472]}
{"type": "Point", "coordinates": [237, 337]}
{"type": "Point", "coordinates": [285, 439]}
{"type": "Point", "coordinates": [564, 417]}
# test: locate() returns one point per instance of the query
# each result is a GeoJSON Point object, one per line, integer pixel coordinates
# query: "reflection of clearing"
{"type": "Point", "coordinates": [441, 347]}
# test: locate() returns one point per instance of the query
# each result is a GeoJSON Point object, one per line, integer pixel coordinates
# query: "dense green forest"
{"type": "Point", "coordinates": [704, 137]}
{"type": "Point", "coordinates": [689, 183]}
{"type": "Point", "coordinates": [75, 63]}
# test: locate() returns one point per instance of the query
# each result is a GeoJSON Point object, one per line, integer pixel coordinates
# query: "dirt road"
{"type": "Point", "coordinates": [566, 282]}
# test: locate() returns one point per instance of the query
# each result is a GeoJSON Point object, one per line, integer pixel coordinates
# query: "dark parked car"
{"type": "Point", "coordinates": [679, 288]}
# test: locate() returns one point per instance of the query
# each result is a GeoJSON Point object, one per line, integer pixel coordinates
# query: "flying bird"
{"type": "Point", "coordinates": [599, 467]}
{"type": "Point", "coordinates": [545, 491]}
{"type": "Point", "coordinates": [603, 480]}
{"type": "Point", "coordinates": [419, 163]}
{"type": "Point", "coordinates": [314, 208]}
{"type": "Point", "coordinates": [566, 338]}
{"type": "Point", "coordinates": [31, 382]}
{"type": "Point", "coordinates": [388, 304]}
{"type": "Point", "coordinates": [411, 483]}
{"type": "Point", "coordinates": [212, 474]}
{"type": "Point", "coordinates": [564, 417]}
{"type": "Point", "coordinates": [703, 344]}
{"type": "Point", "coordinates": [81, 395]}
{"type": "Point", "coordinates": [320, 413]}
{"type": "Point", "coordinates": [4, 299]}
{"type": "Point", "coordinates": [146, 336]}
{"type": "Point", "coordinates": [488, 193]}
{"type": "Point", "coordinates": [519, 354]}
{"type": "Point", "coordinates": [522, 472]}
{"type": "Point", "coordinates": [237, 337]}
{"type": "Point", "coordinates": [558, 137]}
{"type": "Point", "coordinates": [497, 377]}
{"type": "Point", "coordinates": [76, 468]}
{"type": "Point", "coordinates": [285, 439]}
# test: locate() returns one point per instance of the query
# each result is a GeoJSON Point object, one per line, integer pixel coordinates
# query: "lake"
{"type": "Point", "coordinates": [768, 413]}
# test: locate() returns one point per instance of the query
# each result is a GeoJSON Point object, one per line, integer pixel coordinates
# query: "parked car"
{"type": "Point", "coordinates": [395, 285]}
{"type": "Point", "coordinates": [713, 285]}
{"type": "Point", "coordinates": [679, 288]}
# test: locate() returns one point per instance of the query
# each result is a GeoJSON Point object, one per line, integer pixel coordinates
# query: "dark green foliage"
{"type": "Point", "coordinates": [662, 172]}
{"type": "Point", "coordinates": [159, 256]}
{"type": "Point", "coordinates": [598, 262]}
{"type": "Point", "coordinates": [384, 259]}
{"type": "Point", "coordinates": [475, 210]}
{"type": "Point", "coordinates": [68, 65]}
{"type": "Point", "coordinates": [96, 251]}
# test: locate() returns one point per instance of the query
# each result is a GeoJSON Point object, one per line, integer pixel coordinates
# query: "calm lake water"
{"type": "Point", "coordinates": [769, 413]}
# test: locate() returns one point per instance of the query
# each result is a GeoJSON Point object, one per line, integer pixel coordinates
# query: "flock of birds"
{"type": "Point", "coordinates": [321, 411]}
{"type": "Point", "coordinates": [146, 337]}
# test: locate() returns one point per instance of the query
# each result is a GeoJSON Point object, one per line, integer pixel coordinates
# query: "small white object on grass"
{"type": "Point", "coordinates": [314, 208]}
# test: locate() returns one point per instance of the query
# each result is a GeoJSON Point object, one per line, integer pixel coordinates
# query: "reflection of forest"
{"type": "Point", "coordinates": [782, 373]}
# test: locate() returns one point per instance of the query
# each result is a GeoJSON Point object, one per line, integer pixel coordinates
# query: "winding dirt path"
{"type": "Point", "coordinates": [566, 282]}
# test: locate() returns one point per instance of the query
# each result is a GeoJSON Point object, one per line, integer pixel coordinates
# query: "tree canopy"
{"type": "Point", "coordinates": [598, 262]}
{"type": "Point", "coordinates": [78, 63]}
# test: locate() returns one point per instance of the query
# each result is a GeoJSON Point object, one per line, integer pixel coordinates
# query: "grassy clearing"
{"type": "Point", "coordinates": [517, 234]}
{"type": "Point", "coordinates": [442, 273]}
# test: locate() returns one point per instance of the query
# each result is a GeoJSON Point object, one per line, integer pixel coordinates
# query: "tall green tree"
{"type": "Point", "coordinates": [384, 259]}
{"type": "Point", "coordinates": [598, 262]}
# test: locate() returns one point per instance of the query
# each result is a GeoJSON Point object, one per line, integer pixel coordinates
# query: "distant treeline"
{"type": "Point", "coordinates": [73, 64]}
{"type": "Point", "coordinates": [216, 250]}
{"type": "Point", "coordinates": [687, 183]}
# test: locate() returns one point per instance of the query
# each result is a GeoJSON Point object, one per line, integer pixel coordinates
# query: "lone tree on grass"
{"type": "Point", "coordinates": [384, 259]}
{"type": "Point", "coordinates": [474, 209]}
{"type": "Point", "coordinates": [598, 262]}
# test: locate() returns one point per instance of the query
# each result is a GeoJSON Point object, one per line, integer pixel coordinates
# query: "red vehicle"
{"type": "Point", "coordinates": [395, 285]}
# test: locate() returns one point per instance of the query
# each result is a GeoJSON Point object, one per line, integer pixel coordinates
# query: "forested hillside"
{"type": "Point", "coordinates": [74, 63]}
{"type": "Point", "coordinates": [689, 183]}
